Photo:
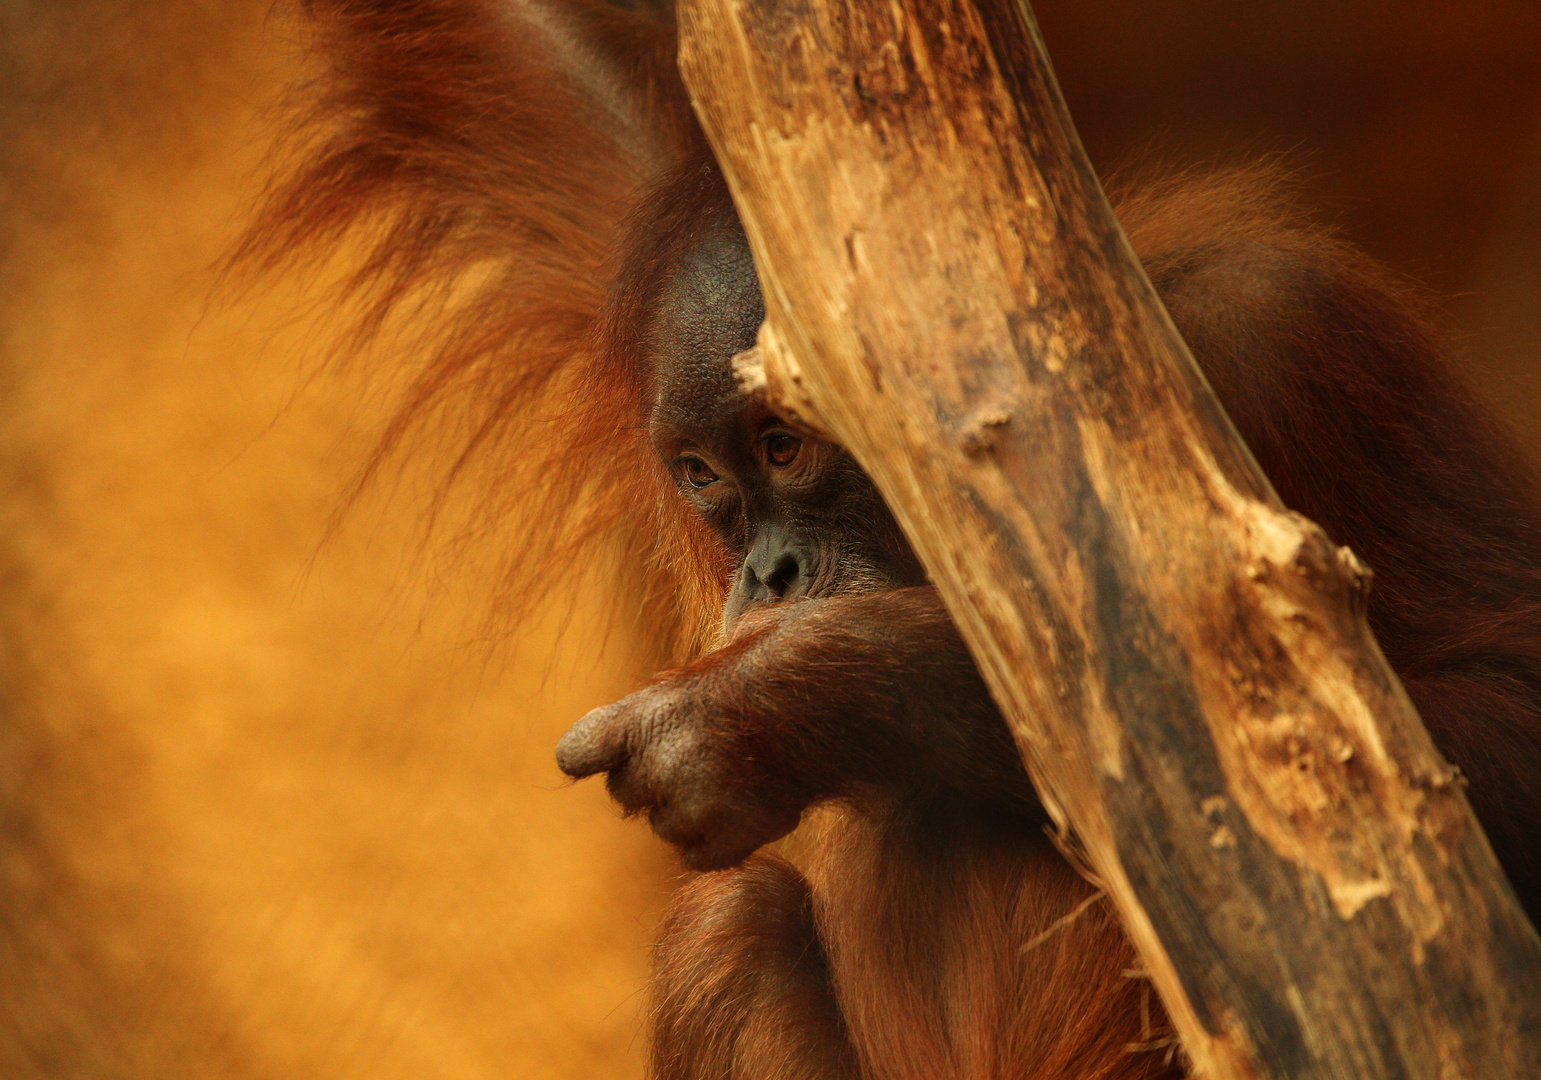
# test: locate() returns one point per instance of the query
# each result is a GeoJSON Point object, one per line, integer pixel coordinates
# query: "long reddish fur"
{"type": "Point", "coordinates": [484, 156]}
{"type": "Point", "coordinates": [501, 182]}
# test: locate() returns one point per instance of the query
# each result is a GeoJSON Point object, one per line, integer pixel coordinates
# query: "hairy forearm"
{"type": "Point", "coordinates": [811, 701]}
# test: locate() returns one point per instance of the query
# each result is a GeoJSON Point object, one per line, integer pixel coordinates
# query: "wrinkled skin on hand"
{"type": "Point", "coordinates": [664, 752]}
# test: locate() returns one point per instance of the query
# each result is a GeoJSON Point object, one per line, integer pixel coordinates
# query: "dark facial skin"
{"type": "Point", "coordinates": [798, 513]}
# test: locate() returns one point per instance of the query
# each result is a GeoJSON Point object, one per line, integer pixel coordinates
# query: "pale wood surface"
{"type": "Point", "coordinates": [1185, 663]}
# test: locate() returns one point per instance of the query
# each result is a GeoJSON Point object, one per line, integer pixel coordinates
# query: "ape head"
{"type": "Point", "coordinates": [798, 516]}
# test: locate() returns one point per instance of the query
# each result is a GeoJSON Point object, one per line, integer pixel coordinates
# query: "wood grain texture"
{"type": "Point", "coordinates": [1185, 663]}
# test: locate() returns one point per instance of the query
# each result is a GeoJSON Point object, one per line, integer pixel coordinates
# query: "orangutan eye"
{"type": "Point", "coordinates": [782, 449]}
{"type": "Point", "coordinates": [697, 473]}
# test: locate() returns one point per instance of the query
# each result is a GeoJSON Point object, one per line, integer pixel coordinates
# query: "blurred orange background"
{"type": "Point", "coordinates": [270, 803]}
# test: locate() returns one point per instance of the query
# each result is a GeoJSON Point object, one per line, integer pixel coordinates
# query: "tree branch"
{"type": "Point", "coordinates": [1185, 663]}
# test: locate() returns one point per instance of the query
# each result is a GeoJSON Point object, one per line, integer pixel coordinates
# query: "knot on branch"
{"type": "Point", "coordinates": [769, 369]}
{"type": "Point", "coordinates": [1307, 749]}
{"type": "Point", "coordinates": [749, 370]}
{"type": "Point", "coordinates": [1294, 554]}
{"type": "Point", "coordinates": [980, 431]}
{"type": "Point", "coordinates": [1359, 578]}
